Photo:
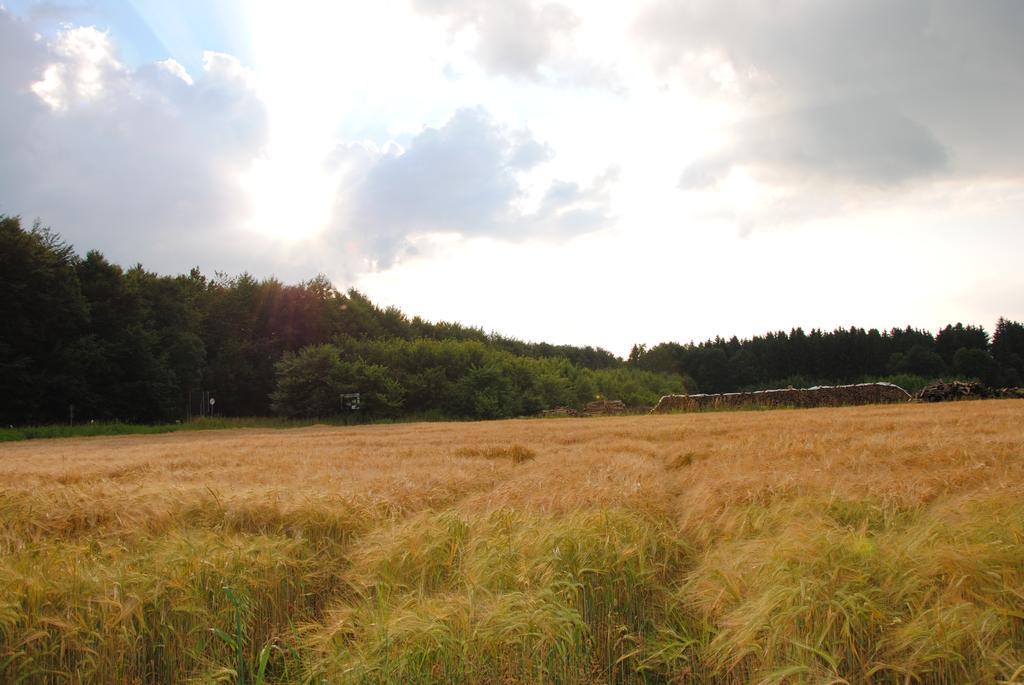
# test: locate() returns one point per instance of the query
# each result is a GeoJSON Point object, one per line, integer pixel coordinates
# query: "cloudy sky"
{"type": "Point", "coordinates": [561, 171]}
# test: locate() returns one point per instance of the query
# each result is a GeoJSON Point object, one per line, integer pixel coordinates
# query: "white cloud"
{"type": "Point", "coordinates": [85, 55]}
{"type": "Point", "coordinates": [175, 68]}
{"type": "Point", "coordinates": [523, 39]}
{"type": "Point", "coordinates": [513, 38]}
{"type": "Point", "coordinates": [466, 178]}
{"type": "Point", "coordinates": [142, 163]}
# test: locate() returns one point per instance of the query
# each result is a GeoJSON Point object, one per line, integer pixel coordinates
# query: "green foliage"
{"type": "Point", "coordinates": [976, 363]}
{"type": "Point", "coordinates": [853, 355]}
{"type": "Point", "coordinates": [951, 339]}
{"type": "Point", "coordinates": [918, 360]}
{"type": "Point", "coordinates": [141, 350]}
{"type": "Point", "coordinates": [909, 382]}
{"type": "Point", "coordinates": [127, 346]}
{"type": "Point", "coordinates": [86, 337]}
{"type": "Point", "coordinates": [307, 383]}
{"type": "Point", "coordinates": [1008, 351]}
{"type": "Point", "coordinates": [635, 387]}
{"type": "Point", "coordinates": [450, 378]}
{"type": "Point", "coordinates": [311, 382]}
{"type": "Point", "coordinates": [42, 310]}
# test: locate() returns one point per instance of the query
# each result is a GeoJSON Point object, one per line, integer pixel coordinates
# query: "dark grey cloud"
{"type": "Point", "coordinates": [867, 143]}
{"type": "Point", "coordinates": [141, 164]}
{"type": "Point", "coordinates": [872, 92]}
{"type": "Point", "coordinates": [464, 178]}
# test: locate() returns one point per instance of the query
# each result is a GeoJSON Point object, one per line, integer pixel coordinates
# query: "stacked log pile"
{"type": "Point", "coordinates": [955, 390]}
{"type": "Point", "coordinates": [604, 407]}
{"type": "Point", "coordinates": [562, 411]}
{"type": "Point", "coordinates": [959, 390]}
{"type": "Point", "coordinates": [819, 396]}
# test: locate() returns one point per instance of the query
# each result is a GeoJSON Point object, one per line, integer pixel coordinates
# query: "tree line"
{"type": "Point", "coordinates": [907, 356]}
{"type": "Point", "coordinates": [450, 378]}
{"type": "Point", "coordinates": [85, 336]}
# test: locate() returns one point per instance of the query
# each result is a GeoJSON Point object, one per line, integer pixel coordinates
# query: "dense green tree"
{"type": "Point", "coordinates": [240, 356]}
{"type": "Point", "coordinates": [43, 315]}
{"type": "Point", "coordinates": [636, 388]}
{"type": "Point", "coordinates": [1008, 350]}
{"type": "Point", "coordinates": [952, 339]}
{"type": "Point", "coordinates": [176, 347]}
{"type": "Point", "coordinates": [845, 355]}
{"type": "Point", "coordinates": [919, 360]}
{"type": "Point", "coordinates": [132, 344]}
{"type": "Point", "coordinates": [976, 363]}
{"type": "Point", "coordinates": [469, 379]}
{"type": "Point", "coordinates": [308, 383]}
{"type": "Point", "coordinates": [123, 377]}
{"type": "Point", "coordinates": [381, 396]}
{"type": "Point", "coordinates": [712, 368]}
{"type": "Point", "coordinates": [743, 367]}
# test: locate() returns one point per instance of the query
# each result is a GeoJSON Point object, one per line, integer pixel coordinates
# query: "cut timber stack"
{"type": "Point", "coordinates": [562, 411]}
{"type": "Point", "coordinates": [959, 390]}
{"type": "Point", "coordinates": [819, 396]}
{"type": "Point", "coordinates": [955, 390]}
{"type": "Point", "coordinates": [604, 407]}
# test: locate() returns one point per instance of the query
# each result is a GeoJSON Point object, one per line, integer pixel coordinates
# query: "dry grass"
{"type": "Point", "coordinates": [868, 544]}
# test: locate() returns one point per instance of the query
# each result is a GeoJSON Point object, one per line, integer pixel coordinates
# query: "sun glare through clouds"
{"type": "Point", "coordinates": [384, 143]}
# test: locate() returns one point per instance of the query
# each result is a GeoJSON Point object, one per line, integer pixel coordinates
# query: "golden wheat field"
{"type": "Point", "coordinates": [876, 544]}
